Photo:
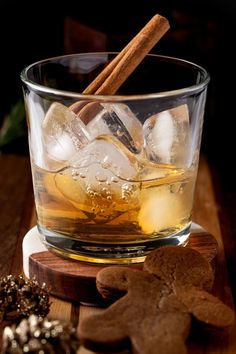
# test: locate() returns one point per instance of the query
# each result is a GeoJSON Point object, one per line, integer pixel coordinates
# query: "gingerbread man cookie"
{"type": "Point", "coordinates": [153, 308]}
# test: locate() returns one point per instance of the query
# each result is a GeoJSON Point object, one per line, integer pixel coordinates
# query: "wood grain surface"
{"type": "Point", "coordinates": [76, 281]}
{"type": "Point", "coordinates": [18, 216]}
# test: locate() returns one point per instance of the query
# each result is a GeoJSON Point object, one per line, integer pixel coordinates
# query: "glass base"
{"type": "Point", "coordinates": [108, 253]}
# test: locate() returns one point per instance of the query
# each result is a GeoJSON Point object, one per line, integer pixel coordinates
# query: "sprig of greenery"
{"type": "Point", "coordinates": [14, 125]}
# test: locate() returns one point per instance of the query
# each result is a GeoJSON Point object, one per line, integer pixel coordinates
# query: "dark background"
{"type": "Point", "coordinates": [201, 31]}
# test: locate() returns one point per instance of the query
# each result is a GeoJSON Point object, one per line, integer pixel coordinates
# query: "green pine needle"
{"type": "Point", "coordinates": [14, 124]}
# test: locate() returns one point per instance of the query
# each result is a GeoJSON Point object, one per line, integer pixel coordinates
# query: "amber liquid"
{"type": "Point", "coordinates": [113, 210]}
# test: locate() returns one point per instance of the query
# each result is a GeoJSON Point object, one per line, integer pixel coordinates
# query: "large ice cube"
{"type": "Point", "coordinates": [99, 179]}
{"type": "Point", "coordinates": [117, 119]}
{"type": "Point", "coordinates": [35, 110]}
{"type": "Point", "coordinates": [63, 134]}
{"type": "Point", "coordinates": [111, 154]}
{"type": "Point", "coordinates": [166, 136]}
{"type": "Point", "coordinates": [160, 210]}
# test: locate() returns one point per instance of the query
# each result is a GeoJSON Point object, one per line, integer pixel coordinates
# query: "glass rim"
{"type": "Point", "coordinates": [184, 90]}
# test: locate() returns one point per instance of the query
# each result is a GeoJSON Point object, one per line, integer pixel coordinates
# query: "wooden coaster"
{"type": "Point", "coordinates": [75, 281]}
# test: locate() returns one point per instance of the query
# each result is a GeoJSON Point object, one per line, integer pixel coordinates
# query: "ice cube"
{"type": "Point", "coordinates": [117, 119]}
{"type": "Point", "coordinates": [35, 110]}
{"type": "Point", "coordinates": [160, 210]}
{"type": "Point", "coordinates": [166, 136]}
{"type": "Point", "coordinates": [111, 154]}
{"type": "Point", "coordinates": [63, 134]}
{"type": "Point", "coordinates": [99, 179]}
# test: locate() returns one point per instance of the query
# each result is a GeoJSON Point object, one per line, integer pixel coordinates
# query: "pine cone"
{"type": "Point", "coordinates": [20, 298]}
{"type": "Point", "coordinates": [38, 335]}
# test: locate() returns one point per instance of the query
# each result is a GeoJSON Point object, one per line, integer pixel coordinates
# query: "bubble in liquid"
{"type": "Point", "coordinates": [75, 174]}
{"type": "Point", "coordinates": [101, 177]}
{"type": "Point", "coordinates": [114, 180]}
{"type": "Point", "coordinates": [176, 188]}
{"type": "Point", "coordinates": [106, 163]}
{"type": "Point", "coordinates": [82, 175]}
{"type": "Point", "coordinates": [127, 191]}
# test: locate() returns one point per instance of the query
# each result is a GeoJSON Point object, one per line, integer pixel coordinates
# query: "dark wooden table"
{"type": "Point", "coordinates": [17, 216]}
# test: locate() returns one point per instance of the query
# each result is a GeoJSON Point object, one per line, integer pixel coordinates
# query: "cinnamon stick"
{"type": "Point", "coordinates": [118, 70]}
{"type": "Point", "coordinates": [114, 74]}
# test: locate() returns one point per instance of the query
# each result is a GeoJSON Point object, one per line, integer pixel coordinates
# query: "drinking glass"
{"type": "Point", "coordinates": [114, 175]}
